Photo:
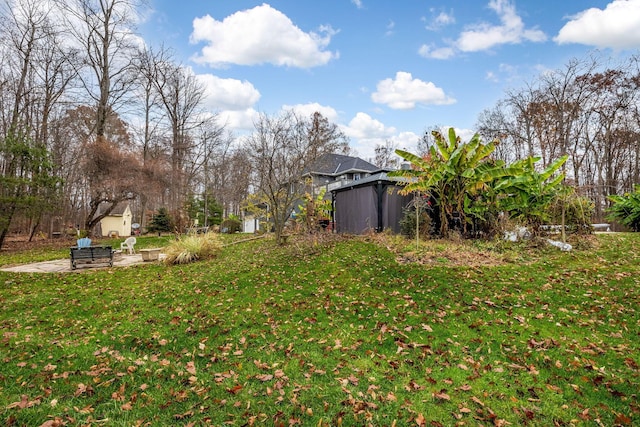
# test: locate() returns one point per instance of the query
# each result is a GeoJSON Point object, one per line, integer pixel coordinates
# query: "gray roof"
{"type": "Point", "coordinates": [117, 211]}
{"type": "Point", "coordinates": [338, 164]}
{"type": "Point", "coordinates": [380, 176]}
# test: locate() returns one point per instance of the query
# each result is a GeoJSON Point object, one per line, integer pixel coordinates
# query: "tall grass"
{"type": "Point", "coordinates": [191, 248]}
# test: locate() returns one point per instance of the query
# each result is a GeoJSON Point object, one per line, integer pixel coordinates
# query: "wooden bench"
{"type": "Point", "coordinates": [91, 255]}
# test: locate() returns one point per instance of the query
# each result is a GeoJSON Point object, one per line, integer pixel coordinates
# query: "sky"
{"type": "Point", "coordinates": [381, 70]}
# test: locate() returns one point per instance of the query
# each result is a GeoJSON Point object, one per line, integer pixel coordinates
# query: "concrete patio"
{"type": "Point", "coordinates": [64, 266]}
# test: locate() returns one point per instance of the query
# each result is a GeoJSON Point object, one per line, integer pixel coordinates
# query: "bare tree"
{"type": "Point", "coordinates": [98, 173]}
{"type": "Point", "coordinates": [103, 30]}
{"type": "Point", "coordinates": [385, 155]}
{"type": "Point", "coordinates": [280, 149]}
{"type": "Point", "coordinates": [323, 134]}
{"type": "Point", "coordinates": [148, 133]}
{"type": "Point", "coordinates": [587, 110]}
{"type": "Point", "coordinates": [495, 124]}
{"type": "Point", "coordinates": [34, 76]}
{"type": "Point", "coordinates": [181, 95]}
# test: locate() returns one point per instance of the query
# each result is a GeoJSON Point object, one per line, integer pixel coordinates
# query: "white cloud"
{"type": "Point", "coordinates": [440, 20]}
{"type": "Point", "coordinates": [363, 126]}
{"type": "Point", "coordinates": [511, 31]}
{"type": "Point", "coordinates": [228, 94]}
{"type": "Point", "coordinates": [492, 77]}
{"type": "Point", "coordinates": [307, 110]}
{"type": "Point", "coordinates": [390, 26]}
{"type": "Point", "coordinates": [616, 27]}
{"type": "Point", "coordinates": [239, 121]}
{"type": "Point", "coordinates": [374, 133]}
{"type": "Point", "coordinates": [407, 141]}
{"type": "Point", "coordinates": [358, 3]}
{"type": "Point", "coordinates": [257, 36]}
{"type": "Point", "coordinates": [485, 36]}
{"type": "Point", "coordinates": [436, 53]}
{"type": "Point", "coordinates": [504, 73]}
{"type": "Point", "coordinates": [404, 92]}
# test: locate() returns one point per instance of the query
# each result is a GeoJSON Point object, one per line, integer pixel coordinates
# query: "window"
{"type": "Point", "coordinates": [356, 176]}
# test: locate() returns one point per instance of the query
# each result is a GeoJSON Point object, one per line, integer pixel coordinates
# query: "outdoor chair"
{"type": "Point", "coordinates": [128, 244]}
{"type": "Point", "coordinates": [85, 242]}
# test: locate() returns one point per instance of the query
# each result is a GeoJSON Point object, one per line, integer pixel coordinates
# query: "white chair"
{"type": "Point", "coordinates": [128, 244]}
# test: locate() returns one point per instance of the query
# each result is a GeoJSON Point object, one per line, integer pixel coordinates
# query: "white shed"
{"type": "Point", "coordinates": [118, 222]}
{"type": "Point", "coordinates": [250, 224]}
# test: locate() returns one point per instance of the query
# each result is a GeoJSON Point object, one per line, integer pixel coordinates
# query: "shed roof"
{"type": "Point", "coordinates": [119, 210]}
{"type": "Point", "coordinates": [339, 164]}
{"type": "Point", "coordinates": [380, 176]}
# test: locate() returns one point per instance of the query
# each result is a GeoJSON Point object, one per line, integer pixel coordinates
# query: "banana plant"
{"type": "Point", "coordinates": [454, 173]}
{"type": "Point", "coordinates": [528, 194]}
{"type": "Point", "coordinates": [626, 209]}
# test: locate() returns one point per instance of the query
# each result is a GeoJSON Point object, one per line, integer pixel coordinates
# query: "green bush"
{"type": "Point", "coordinates": [578, 213]}
{"type": "Point", "coordinates": [192, 248]}
{"type": "Point", "coordinates": [230, 226]}
{"type": "Point", "coordinates": [626, 209]}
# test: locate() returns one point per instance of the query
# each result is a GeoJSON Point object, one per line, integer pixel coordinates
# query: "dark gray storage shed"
{"type": "Point", "coordinates": [373, 203]}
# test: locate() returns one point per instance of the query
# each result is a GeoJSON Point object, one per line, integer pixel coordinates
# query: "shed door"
{"type": "Point", "coordinates": [356, 210]}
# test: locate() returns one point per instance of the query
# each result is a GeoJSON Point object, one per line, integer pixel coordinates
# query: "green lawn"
{"type": "Point", "coordinates": [329, 335]}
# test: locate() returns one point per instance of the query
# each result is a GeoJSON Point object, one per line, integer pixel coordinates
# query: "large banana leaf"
{"type": "Point", "coordinates": [553, 167]}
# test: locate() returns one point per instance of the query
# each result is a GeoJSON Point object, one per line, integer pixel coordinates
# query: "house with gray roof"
{"type": "Point", "coordinates": [331, 171]}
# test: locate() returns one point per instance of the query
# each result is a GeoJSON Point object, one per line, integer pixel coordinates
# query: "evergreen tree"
{"type": "Point", "coordinates": [161, 222]}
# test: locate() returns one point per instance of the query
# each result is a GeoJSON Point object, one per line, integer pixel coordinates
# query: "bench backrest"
{"type": "Point", "coordinates": [101, 251]}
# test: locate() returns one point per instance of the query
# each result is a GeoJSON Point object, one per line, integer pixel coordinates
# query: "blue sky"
{"type": "Point", "coordinates": [381, 69]}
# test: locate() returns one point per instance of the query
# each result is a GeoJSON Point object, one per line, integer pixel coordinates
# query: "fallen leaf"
{"type": "Point", "coordinates": [478, 401]}
{"type": "Point", "coordinates": [622, 419]}
{"type": "Point", "coordinates": [442, 396]}
{"type": "Point", "coordinates": [56, 422]}
{"type": "Point", "coordinates": [24, 399]}
{"type": "Point", "coordinates": [191, 368]}
{"type": "Point", "coordinates": [235, 389]}
{"type": "Point", "coordinates": [80, 389]}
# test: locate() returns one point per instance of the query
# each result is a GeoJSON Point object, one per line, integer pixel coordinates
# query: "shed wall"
{"type": "Point", "coordinates": [356, 210]}
{"type": "Point", "coordinates": [378, 207]}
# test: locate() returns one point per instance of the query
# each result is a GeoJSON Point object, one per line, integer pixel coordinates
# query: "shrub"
{"type": "Point", "coordinates": [230, 226]}
{"type": "Point", "coordinates": [578, 212]}
{"type": "Point", "coordinates": [408, 223]}
{"type": "Point", "coordinates": [626, 209]}
{"type": "Point", "coordinates": [193, 248]}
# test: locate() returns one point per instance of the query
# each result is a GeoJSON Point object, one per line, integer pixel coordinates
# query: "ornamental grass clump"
{"type": "Point", "coordinates": [193, 248]}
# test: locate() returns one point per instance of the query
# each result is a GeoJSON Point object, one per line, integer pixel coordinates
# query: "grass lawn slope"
{"type": "Point", "coordinates": [347, 333]}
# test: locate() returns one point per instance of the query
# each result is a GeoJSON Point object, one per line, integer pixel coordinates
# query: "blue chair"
{"type": "Point", "coordinates": [85, 242]}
